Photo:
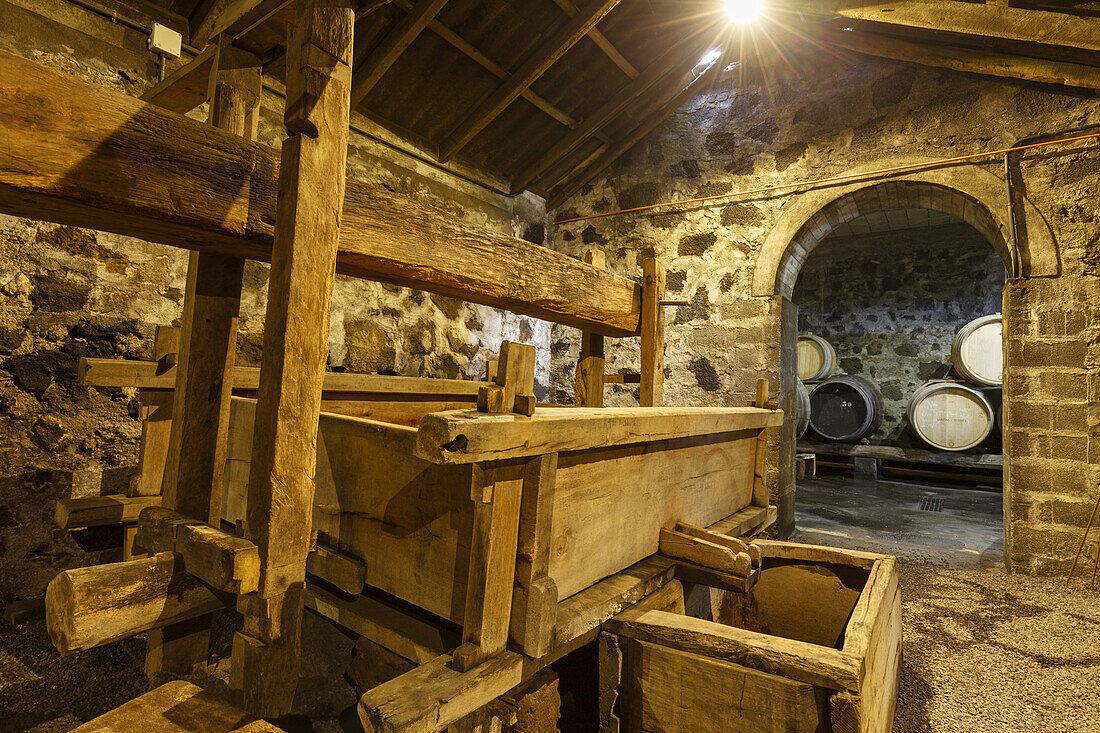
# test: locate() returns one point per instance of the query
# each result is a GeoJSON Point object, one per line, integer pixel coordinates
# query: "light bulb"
{"type": "Point", "coordinates": [744, 11]}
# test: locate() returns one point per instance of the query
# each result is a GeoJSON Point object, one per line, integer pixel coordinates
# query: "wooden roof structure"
{"type": "Point", "coordinates": [546, 94]}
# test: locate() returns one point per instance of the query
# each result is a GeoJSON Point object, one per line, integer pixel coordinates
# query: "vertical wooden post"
{"type": "Point", "coordinates": [590, 366]}
{"type": "Point", "coordinates": [535, 599]}
{"type": "Point", "coordinates": [192, 478]}
{"type": "Point", "coordinates": [653, 335]}
{"type": "Point", "coordinates": [760, 493]}
{"type": "Point", "coordinates": [496, 490]}
{"type": "Point", "coordinates": [295, 349]}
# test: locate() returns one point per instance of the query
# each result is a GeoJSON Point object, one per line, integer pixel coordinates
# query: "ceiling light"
{"type": "Point", "coordinates": [744, 11]}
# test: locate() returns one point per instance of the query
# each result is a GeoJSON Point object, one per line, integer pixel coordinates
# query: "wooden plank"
{"type": "Point", "coordinates": [77, 141]}
{"type": "Point", "coordinates": [817, 553]}
{"type": "Point", "coordinates": [974, 61]}
{"type": "Point", "coordinates": [589, 380]}
{"type": "Point", "coordinates": [193, 473]}
{"type": "Point", "coordinates": [434, 695]}
{"type": "Point", "coordinates": [186, 87]}
{"type": "Point", "coordinates": [981, 21]}
{"type": "Point", "coordinates": [897, 453]}
{"type": "Point", "coordinates": [496, 490]}
{"type": "Point", "coordinates": [651, 393]}
{"type": "Point", "coordinates": [796, 660]}
{"type": "Point", "coordinates": [493, 437]}
{"type": "Point", "coordinates": [746, 521]}
{"type": "Point", "coordinates": [95, 511]}
{"type": "Point", "coordinates": [87, 607]}
{"type": "Point", "coordinates": [611, 668]}
{"type": "Point", "coordinates": [178, 707]}
{"type": "Point", "coordinates": [295, 349]}
{"type": "Point", "coordinates": [489, 65]}
{"type": "Point", "coordinates": [347, 573]}
{"type": "Point", "coordinates": [535, 66]}
{"type": "Point", "coordinates": [146, 375]}
{"type": "Point", "coordinates": [156, 432]}
{"type": "Point", "coordinates": [683, 546]}
{"type": "Point", "coordinates": [535, 596]}
{"type": "Point", "coordinates": [370, 70]}
{"type": "Point", "coordinates": [733, 543]}
{"type": "Point", "coordinates": [671, 690]}
{"type": "Point", "coordinates": [873, 634]}
{"type": "Point", "coordinates": [405, 635]}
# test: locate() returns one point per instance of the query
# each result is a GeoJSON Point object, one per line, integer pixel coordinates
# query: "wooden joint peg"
{"type": "Point", "coordinates": [513, 382]}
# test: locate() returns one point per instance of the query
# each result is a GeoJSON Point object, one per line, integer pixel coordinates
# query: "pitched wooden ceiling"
{"type": "Point", "coordinates": [548, 93]}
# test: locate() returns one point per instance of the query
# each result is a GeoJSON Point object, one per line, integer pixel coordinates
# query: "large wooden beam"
{"type": "Point", "coordinates": [982, 21]}
{"type": "Point", "coordinates": [86, 156]}
{"type": "Point", "coordinates": [371, 69]}
{"type": "Point", "coordinates": [86, 607]}
{"type": "Point", "coordinates": [523, 77]}
{"type": "Point", "coordinates": [303, 269]}
{"type": "Point", "coordinates": [975, 61]}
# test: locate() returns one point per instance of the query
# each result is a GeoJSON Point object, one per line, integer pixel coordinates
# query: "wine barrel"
{"type": "Point", "coordinates": [801, 409]}
{"type": "Point", "coordinates": [977, 351]}
{"type": "Point", "coordinates": [816, 357]}
{"type": "Point", "coordinates": [845, 408]}
{"type": "Point", "coordinates": [950, 415]}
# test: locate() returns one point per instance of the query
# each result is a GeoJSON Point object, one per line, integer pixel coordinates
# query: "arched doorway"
{"type": "Point", "coordinates": [1019, 235]}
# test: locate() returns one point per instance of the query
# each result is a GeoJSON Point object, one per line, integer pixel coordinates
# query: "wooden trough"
{"type": "Point", "coordinates": [814, 645]}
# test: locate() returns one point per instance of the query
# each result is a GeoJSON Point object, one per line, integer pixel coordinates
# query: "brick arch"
{"type": "Point", "coordinates": [970, 194]}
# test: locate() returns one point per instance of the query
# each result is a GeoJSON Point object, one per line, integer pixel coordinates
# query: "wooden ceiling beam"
{"type": "Point", "coordinates": [186, 87]}
{"type": "Point", "coordinates": [656, 72]}
{"type": "Point", "coordinates": [536, 65]}
{"type": "Point", "coordinates": [625, 143]}
{"type": "Point", "coordinates": [370, 71]}
{"type": "Point", "coordinates": [489, 65]}
{"type": "Point", "coordinates": [976, 61]}
{"type": "Point", "coordinates": [601, 40]}
{"type": "Point", "coordinates": [87, 156]}
{"type": "Point", "coordinates": [982, 20]}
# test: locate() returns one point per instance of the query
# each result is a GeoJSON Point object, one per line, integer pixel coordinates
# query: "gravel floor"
{"type": "Point", "coordinates": [987, 651]}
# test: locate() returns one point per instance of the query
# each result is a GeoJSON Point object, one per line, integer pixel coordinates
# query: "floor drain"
{"type": "Point", "coordinates": [931, 504]}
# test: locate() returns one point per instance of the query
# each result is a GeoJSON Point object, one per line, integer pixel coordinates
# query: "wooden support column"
{"type": "Point", "coordinates": [589, 378]}
{"type": "Point", "coordinates": [496, 489]}
{"type": "Point", "coordinates": [535, 599]}
{"type": "Point", "coordinates": [760, 493]}
{"type": "Point", "coordinates": [653, 335]}
{"type": "Point", "coordinates": [192, 478]}
{"type": "Point", "coordinates": [295, 349]}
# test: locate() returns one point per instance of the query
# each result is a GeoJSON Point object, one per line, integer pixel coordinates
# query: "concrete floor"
{"type": "Point", "coordinates": [886, 516]}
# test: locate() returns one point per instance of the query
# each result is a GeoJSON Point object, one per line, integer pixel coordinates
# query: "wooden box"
{"type": "Point", "coordinates": [814, 646]}
{"type": "Point", "coordinates": [399, 498]}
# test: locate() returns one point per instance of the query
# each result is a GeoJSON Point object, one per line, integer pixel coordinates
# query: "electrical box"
{"type": "Point", "coordinates": [164, 40]}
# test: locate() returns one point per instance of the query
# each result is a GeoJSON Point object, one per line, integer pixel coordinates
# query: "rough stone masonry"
{"type": "Point", "coordinates": [816, 115]}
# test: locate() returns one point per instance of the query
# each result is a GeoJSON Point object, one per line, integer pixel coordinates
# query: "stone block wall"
{"type": "Point", "coordinates": [806, 116]}
{"type": "Point", "coordinates": [1052, 420]}
{"type": "Point", "coordinates": [68, 293]}
{"type": "Point", "coordinates": [890, 304]}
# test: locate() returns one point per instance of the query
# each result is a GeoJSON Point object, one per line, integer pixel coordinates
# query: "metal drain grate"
{"type": "Point", "coordinates": [931, 504]}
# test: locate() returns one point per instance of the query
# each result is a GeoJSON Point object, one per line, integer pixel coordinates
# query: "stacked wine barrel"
{"type": "Point", "coordinates": [950, 415]}
{"type": "Point", "coordinates": [956, 415]}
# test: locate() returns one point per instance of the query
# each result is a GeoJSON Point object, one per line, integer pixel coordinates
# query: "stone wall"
{"type": "Point", "coordinates": [68, 293]}
{"type": "Point", "coordinates": [891, 303]}
{"type": "Point", "coordinates": [814, 115]}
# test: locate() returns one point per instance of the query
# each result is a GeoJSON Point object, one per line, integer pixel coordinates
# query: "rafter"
{"type": "Point", "coordinates": [371, 70]}
{"type": "Point", "coordinates": [535, 66]}
{"type": "Point", "coordinates": [582, 176]}
{"type": "Point", "coordinates": [489, 65]}
{"type": "Point", "coordinates": [980, 20]}
{"type": "Point", "coordinates": [657, 71]}
{"type": "Point", "coordinates": [977, 61]}
{"type": "Point", "coordinates": [601, 40]}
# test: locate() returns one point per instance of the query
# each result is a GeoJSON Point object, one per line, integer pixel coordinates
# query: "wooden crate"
{"type": "Point", "coordinates": [399, 497]}
{"type": "Point", "coordinates": [814, 646]}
